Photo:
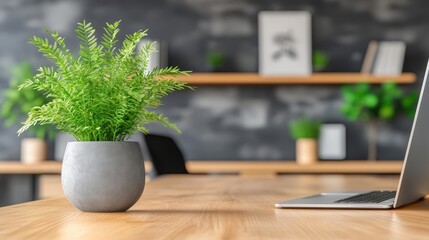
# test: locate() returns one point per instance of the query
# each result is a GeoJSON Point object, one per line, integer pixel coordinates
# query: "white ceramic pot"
{"type": "Point", "coordinates": [33, 150]}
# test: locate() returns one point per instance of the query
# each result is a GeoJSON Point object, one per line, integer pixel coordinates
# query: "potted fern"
{"type": "Point", "coordinates": [16, 106]}
{"type": "Point", "coordinates": [306, 133]}
{"type": "Point", "coordinates": [101, 97]}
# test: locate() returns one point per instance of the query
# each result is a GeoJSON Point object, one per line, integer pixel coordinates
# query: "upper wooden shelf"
{"type": "Point", "coordinates": [316, 78]}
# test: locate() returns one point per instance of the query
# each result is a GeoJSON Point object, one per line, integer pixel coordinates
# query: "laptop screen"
{"type": "Point", "coordinates": [414, 181]}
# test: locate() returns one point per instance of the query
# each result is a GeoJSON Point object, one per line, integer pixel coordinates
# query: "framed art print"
{"type": "Point", "coordinates": [285, 43]}
{"type": "Point", "coordinates": [332, 141]}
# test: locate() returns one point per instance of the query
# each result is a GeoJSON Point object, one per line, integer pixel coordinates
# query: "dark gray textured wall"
{"type": "Point", "coordinates": [234, 122]}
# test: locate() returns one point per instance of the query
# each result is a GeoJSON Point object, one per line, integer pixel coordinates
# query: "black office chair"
{"type": "Point", "coordinates": [166, 155]}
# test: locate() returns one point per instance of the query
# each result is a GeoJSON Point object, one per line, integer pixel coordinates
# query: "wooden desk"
{"type": "Point", "coordinates": [223, 207]}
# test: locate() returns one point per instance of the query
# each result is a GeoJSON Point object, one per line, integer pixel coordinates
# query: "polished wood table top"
{"type": "Point", "coordinates": [223, 207]}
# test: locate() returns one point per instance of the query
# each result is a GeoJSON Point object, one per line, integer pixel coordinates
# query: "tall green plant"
{"type": "Point", "coordinates": [105, 94]}
{"type": "Point", "coordinates": [362, 102]}
{"type": "Point", "coordinates": [17, 104]}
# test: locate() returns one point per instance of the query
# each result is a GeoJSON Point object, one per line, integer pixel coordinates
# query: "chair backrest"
{"type": "Point", "coordinates": [166, 155]}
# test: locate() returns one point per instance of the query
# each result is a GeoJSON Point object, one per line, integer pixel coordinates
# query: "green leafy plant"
{"type": "Point", "coordinates": [320, 60]}
{"type": "Point", "coordinates": [17, 104]}
{"type": "Point", "coordinates": [409, 104]}
{"type": "Point", "coordinates": [362, 102]}
{"type": "Point", "coordinates": [304, 128]}
{"type": "Point", "coordinates": [215, 60]}
{"type": "Point", "coordinates": [106, 93]}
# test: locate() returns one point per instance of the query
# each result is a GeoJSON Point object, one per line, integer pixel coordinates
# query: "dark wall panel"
{"type": "Point", "coordinates": [234, 122]}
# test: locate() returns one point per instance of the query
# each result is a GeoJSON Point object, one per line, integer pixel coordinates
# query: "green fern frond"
{"type": "Point", "coordinates": [51, 51]}
{"type": "Point", "coordinates": [106, 93]}
{"type": "Point", "coordinates": [130, 43]}
{"type": "Point", "coordinates": [144, 54]}
{"type": "Point", "coordinates": [109, 37]}
{"type": "Point", "coordinates": [89, 51]}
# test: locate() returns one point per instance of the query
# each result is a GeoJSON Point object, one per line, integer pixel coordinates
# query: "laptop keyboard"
{"type": "Point", "coordinates": [369, 197]}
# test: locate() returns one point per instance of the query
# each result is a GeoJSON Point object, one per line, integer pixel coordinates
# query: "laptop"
{"type": "Point", "coordinates": [413, 183]}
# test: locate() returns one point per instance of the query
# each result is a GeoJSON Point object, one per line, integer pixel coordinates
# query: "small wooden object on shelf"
{"type": "Point", "coordinates": [306, 151]}
{"type": "Point", "coordinates": [316, 78]}
{"type": "Point", "coordinates": [33, 150]}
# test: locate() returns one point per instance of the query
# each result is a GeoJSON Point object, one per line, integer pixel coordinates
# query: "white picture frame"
{"type": "Point", "coordinates": [332, 141]}
{"type": "Point", "coordinates": [285, 43]}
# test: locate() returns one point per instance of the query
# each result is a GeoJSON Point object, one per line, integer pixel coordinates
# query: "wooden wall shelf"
{"type": "Point", "coordinates": [276, 167]}
{"type": "Point", "coordinates": [317, 78]}
{"type": "Point", "coordinates": [240, 167]}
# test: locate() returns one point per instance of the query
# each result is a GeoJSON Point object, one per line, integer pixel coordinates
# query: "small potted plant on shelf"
{"type": "Point", "coordinates": [15, 108]}
{"type": "Point", "coordinates": [320, 60]}
{"type": "Point", "coordinates": [101, 97]}
{"type": "Point", "coordinates": [374, 105]}
{"type": "Point", "coordinates": [306, 133]}
{"type": "Point", "coordinates": [215, 60]}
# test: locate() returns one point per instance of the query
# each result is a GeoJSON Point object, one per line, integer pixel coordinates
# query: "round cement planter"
{"type": "Point", "coordinates": [103, 176]}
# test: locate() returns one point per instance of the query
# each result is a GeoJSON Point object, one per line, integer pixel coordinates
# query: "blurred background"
{"type": "Point", "coordinates": [213, 119]}
{"type": "Point", "coordinates": [227, 122]}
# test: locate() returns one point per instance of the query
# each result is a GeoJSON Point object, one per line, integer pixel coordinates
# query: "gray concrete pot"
{"type": "Point", "coordinates": [103, 176]}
